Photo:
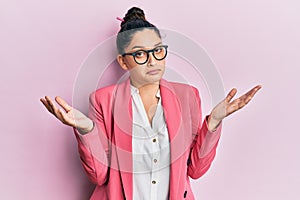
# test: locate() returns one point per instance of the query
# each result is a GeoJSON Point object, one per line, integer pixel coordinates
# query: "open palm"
{"type": "Point", "coordinates": [227, 107]}
{"type": "Point", "coordinates": [67, 114]}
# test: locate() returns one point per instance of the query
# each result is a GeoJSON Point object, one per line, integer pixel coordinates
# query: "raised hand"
{"type": "Point", "coordinates": [227, 107]}
{"type": "Point", "coordinates": [68, 115]}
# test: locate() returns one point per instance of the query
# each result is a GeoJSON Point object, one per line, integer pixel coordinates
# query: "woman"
{"type": "Point", "coordinates": [144, 137]}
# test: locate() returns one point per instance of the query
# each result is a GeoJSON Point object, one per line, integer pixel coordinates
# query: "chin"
{"type": "Point", "coordinates": [154, 80]}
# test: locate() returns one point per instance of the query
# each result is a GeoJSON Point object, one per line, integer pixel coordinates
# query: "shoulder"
{"type": "Point", "coordinates": [112, 89]}
{"type": "Point", "coordinates": [103, 95]}
{"type": "Point", "coordinates": [108, 93]}
{"type": "Point", "coordinates": [181, 88]}
{"type": "Point", "coordinates": [183, 93]}
{"type": "Point", "coordinates": [103, 92]}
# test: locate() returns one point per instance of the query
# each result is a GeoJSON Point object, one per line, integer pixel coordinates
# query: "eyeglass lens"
{"type": "Point", "coordinates": [142, 56]}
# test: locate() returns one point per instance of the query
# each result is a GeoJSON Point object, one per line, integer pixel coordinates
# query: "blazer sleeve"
{"type": "Point", "coordinates": [203, 148]}
{"type": "Point", "coordinates": [93, 146]}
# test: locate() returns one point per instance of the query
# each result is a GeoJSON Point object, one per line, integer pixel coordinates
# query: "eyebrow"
{"type": "Point", "coordinates": [144, 47]}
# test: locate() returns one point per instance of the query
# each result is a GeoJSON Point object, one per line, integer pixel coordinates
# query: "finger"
{"type": "Point", "coordinates": [256, 88]}
{"type": "Point", "coordinates": [63, 104]}
{"type": "Point", "coordinates": [240, 102]}
{"type": "Point", "coordinates": [253, 90]}
{"type": "Point", "coordinates": [50, 103]}
{"type": "Point", "coordinates": [248, 95]}
{"type": "Point", "coordinates": [53, 107]}
{"type": "Point", "coordinates": [231, 94]}
{"type": "Point", "coordinates": [252, 93]}
{"type": "Point", "coordinates": [46, 105]}
{"type": "Point", "coordinates": [244, 99]}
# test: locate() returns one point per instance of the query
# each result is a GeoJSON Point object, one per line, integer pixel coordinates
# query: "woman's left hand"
{"type": "Point", "coordinates": [227, 107]}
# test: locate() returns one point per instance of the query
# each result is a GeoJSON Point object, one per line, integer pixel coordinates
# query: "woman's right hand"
{"type": "Point", "coordinates": [68, 115]}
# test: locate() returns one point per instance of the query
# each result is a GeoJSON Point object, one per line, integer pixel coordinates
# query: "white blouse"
{"type": "Point", "coordinates": [151, 151]}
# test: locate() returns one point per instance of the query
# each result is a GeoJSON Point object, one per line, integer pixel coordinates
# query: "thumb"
{"type": "Point", "coordinates": [230, 95]}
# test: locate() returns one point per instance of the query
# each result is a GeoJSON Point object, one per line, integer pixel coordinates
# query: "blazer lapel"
{"type": "Point", "coordinates": [122, 113]}
{"type": "Point", "coordinates": [171, 108]}
{"type": "Point", "coordinates": [173, 116]}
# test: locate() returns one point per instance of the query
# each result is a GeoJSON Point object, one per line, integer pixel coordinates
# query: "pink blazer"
{"type": "Point", "coordinates": [106, 152]}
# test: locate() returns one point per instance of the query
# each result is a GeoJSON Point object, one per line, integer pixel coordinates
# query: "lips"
{"type": "Point", "coordinates": [153, 72]}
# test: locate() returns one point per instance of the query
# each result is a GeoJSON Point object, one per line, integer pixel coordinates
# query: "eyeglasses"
{"type": "Point", "coordinates": [142, 56]}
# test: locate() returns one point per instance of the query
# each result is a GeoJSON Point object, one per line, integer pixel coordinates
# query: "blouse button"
{"type": "Point", "coordinates": [153, 182]}
{"type": "Point", "coordinates": [155, 160]}
{"type": "Point", "coordinates": [154, 140]}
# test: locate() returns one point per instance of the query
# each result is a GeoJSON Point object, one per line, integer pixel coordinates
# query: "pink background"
{"type": "Point", "coordinates": [43, 44]}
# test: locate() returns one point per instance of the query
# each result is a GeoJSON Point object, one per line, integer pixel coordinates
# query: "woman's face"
{"type": "Point", "coordinates": [149, 72]}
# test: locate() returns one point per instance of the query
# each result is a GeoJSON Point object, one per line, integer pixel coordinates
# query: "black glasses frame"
{"type": "Point", "coordinates": [147, 52]}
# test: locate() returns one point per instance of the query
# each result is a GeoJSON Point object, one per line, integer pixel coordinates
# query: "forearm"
{"type": "Point", "coordinates": [93, 156]}
{"type": "Point", "coordinates": [203, 150]}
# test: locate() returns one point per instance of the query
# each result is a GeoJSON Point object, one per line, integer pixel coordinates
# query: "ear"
{"type": "Point", "coordinates": [122, 62]}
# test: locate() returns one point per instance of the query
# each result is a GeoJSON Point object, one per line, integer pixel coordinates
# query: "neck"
{"type": "Point", "coordinates": [147, 89]}
{"type": "Point", "coordinates": [150, 89]}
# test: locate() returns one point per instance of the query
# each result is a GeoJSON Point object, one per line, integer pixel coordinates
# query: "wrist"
{"type": "Point", "coordinates": [212, 123]}
{"type": "Point", "coordinates": [87, 129]}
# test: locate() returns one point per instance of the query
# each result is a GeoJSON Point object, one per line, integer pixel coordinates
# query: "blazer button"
{"type": "Point", "coordinates": [153, 182]}
{"type": "Point", "coordinates": [154, 140]}
{"type": "Point", "coordinates": [185, 193]}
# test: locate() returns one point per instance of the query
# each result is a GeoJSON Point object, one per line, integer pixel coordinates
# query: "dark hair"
{"type": "Point", "coordinates": [134, 21]}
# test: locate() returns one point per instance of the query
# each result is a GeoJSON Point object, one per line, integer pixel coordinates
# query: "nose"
{"type": "Point", "coordinates": [152, 60]}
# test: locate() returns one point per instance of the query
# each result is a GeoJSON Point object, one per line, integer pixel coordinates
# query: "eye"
{"type": "Point", "coordinates": [140, 54]}
{"type": "Point", "coordinates": [158, 49]}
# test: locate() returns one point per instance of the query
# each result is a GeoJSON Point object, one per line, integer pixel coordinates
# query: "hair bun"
{"type": "Point", "coordinates": [134, 13]}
